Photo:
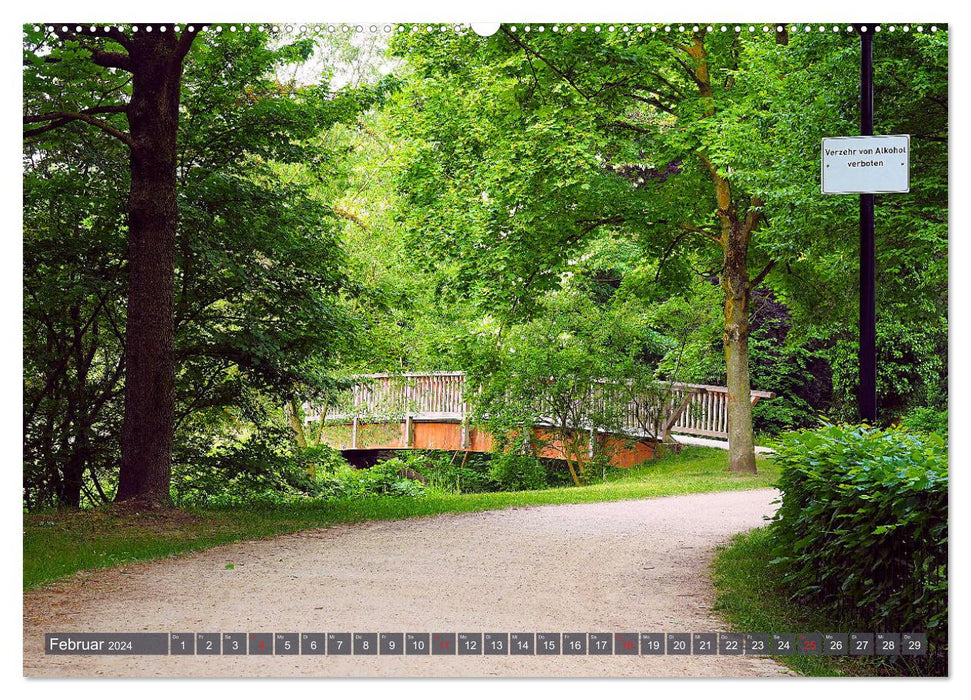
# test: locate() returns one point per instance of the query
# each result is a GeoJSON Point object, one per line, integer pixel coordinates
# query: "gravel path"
{"type": "Point", "coordinates": [629, 566]}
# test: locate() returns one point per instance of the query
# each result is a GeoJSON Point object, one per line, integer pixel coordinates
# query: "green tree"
{"type": "Point", "coordinates": [607, 130]}
{"type": "Point", "coordinates": [548, 371]}
{"type": "Point", "coordinates": [73, 317]}
{"type": "Point", "coordinates": [701, 144]}
{"type": "Point", "coordinates": [153, 61]}
{"type": "Point", "coordinates": [260, 314]}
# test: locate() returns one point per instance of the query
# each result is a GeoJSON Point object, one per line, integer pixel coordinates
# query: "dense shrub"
{"type": "Point", "coordinates": [454, 472]}
{"type": "Point", "coordinates": [791, 367]}
{"type": "Point", "coordinates": [261, 472]}
{"type": "Point", "coordinates": [862, 529]}
{"type": "Point", "coordinates": [387, 478]}
{"type": "Point", "coordinates": [926, 420]}
{"type": "Point", "coordinates": [263, 469]}
{"type": "Point", "coordinates": [517, 471]}
{"type": "Point", "coordinates": [319, 458]}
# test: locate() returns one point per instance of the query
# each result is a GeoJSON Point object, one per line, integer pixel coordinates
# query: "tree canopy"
{"type": "Point", "coordinates": [628, 204]}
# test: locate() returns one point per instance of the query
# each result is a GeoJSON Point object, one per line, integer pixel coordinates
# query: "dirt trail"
{"type": "Point", "coordinates": [631, 566]}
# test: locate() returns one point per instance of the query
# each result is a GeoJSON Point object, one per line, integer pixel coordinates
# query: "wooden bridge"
{"type": "Point", "coordinates": [430, 411]}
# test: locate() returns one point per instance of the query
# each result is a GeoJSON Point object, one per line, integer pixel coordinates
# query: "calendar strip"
{"type": "Point", "coordinates": [485, 643]}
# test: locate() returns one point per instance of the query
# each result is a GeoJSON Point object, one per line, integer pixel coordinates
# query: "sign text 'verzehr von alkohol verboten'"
{"type": "Point", "coordinates": [865, 164]}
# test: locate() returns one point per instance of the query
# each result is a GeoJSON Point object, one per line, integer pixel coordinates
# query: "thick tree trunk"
{"type": "Point", "coordinates": [735, 282]}
{"type": "Point", "coordinates": [153, 115]}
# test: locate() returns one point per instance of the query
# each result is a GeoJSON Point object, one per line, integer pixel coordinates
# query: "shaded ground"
{"type": "Point", "coordinates": [630, 566]}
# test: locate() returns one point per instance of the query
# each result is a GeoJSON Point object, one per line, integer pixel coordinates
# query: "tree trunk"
{"type": "Point", "coordinates": [153, 115]}
{"type": "Point", "coordinates": [573, 471]}
{"type": "Point", "coordinates": [292, 411]}
{"type": "Point", "coordinates": [70, 487]}
{"type": "Point", "coordinates": [735, 282]}
{"type": "Point", "coordinates": [735, 236]}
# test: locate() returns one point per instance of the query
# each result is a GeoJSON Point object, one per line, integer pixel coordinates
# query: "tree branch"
{"type": "Point", "coordinates": [707, 234]}
{"type": "Point", "coordinates": [653, 101]}
{"type": "Point", "coordinates": [669, 250]}
{"type": "Point", "coordinates": [668, 83]}
{"type": "Point", "coordinates": [590, 224]}
{"type": "Point", "coordinates": [632, 127]}
{"type": "Point", "coordinates": [760, 278]}
{"type": "Point", "coordinates": [690, 71]}
{"type": "Point", "coordinates": [59, 119]}
{"type": "Point", "coordinates": [107, 59]}
{"type": "Point", "coordinates": [106, 109]}
{"type": "Point", "coordinates": [185, 41]}
{"type": "Point", "coordinates": [752, 218]}
{"type": "Point", "coordinates": [118, 36]}
{"type": "Point", "coordinates": [556, 70]}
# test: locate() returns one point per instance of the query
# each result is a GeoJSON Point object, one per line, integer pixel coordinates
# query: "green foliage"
{"type": "Point", "coordinates": [793, 367]}
{"type": "Point", "coordinates": [810, 93]}
{"type": "Point", "coordinates": [261, 308]}
{"type": "Point", "coordinates": [524, 153]}
{"type": "Point", "coordinates": [452, 472]}
{"type": "Point", "coordinates": [74, 280]}
{"type": "Point", "coordinates": [926, 420]}
{"type": "Point", "coordinates": [862, 528]}
{"type": "Point", "coordinates": [911, 367]}
{"type": "Point", "coordinates": [318, 458]}
{"type": "Point", "coordinates": [547, 367]}
{"type": "Point", "coordinates": [257, 472]}
{"type": "Point", "coordinates": [384, 479]}
{"type": "Point", "coordinates": [260, 469]}
{"type": "Point", "coordinates": [514, 470]}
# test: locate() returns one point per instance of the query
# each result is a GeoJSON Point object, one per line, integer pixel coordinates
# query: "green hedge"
{"type": "Point", "coordinates": [862, 529]}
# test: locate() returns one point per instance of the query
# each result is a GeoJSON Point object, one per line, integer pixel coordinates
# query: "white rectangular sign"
{"type": "Point", "coordinates": [866, 164]}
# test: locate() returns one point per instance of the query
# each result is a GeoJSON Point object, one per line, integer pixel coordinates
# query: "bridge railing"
{"type": "Point", "coordinates": [686, 409]}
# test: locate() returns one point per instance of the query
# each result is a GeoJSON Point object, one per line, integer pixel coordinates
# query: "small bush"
{"type": "Point", "coordinates": [318, 459]}
{"type": "Point", "coordinates": [862, 529]}
{"type": "Point", "coordinates": [926, 420]}
{"type": "Point", "coordinates": [383, 479]}
{"type": "Point", "coordinates": [514, 471]}
{"type": "Point", "coordinates": [261, 470]}
{"type": "Point", "coordinates": [454, 472]}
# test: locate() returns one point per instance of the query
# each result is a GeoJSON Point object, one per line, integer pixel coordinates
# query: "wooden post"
{"type": "Point", "coordinates": [408, 399]}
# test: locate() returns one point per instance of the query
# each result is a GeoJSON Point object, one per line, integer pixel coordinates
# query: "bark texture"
{"type": "Point", "coordinates": [153, 115]}
{"type": "Point", "coordinates": [735, 282]}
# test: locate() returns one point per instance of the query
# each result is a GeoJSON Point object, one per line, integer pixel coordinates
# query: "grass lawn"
{"type": "Point", "coordinates": [750, 598]}
{"type": "Point", "coordinates": [58, 544]}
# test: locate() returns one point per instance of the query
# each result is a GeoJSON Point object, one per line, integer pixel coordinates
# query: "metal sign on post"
{"type": "Point", "coordinates": [866, 165]}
